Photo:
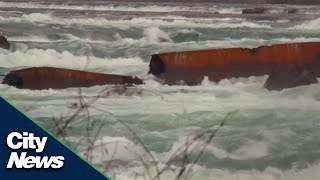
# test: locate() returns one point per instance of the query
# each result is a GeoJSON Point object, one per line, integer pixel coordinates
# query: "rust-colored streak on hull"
{"type": "Point", "coordinates": [192, 66]}
{"type": "Point", "coordinates": [37, 78]}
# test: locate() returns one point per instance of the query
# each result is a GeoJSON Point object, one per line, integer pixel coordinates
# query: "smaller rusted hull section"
{"type": "Point", "coordinates": [38, 78]}
{"type": "Point", "coordinates": [4, 43]}
{"type": "Point", "coordinates": [190, 67]}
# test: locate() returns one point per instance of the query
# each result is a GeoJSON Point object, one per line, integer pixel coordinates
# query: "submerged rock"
{"type": "Point", "coordinates": [264, 10]}
{"type": "Point", "coordinates": [259, 10]}
{"type": "Point", "coordinates": [4, 43]}
{"type": "Point", "coordinates": [38, 78]}
{"type": "Point", "coordinates": [191, 67]}
{"type": "Point", "coordinates": [301, 2]}
{"type": "Point", "coordinates": [290, 76]}
{"type": "Point", "coordinates": [292, 11]}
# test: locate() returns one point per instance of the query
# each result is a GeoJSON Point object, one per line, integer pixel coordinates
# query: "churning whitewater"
{"type": "Point", "coordinates": [268, 135]}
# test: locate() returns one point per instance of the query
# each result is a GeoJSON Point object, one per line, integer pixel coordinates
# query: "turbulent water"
{"type": "Point", "coordinates": [268, 134]}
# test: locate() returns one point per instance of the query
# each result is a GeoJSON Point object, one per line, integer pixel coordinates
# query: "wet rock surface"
{"type": "Point", "coordinates": [260, 10]}
{"type": "Point", "coordinates": [290, 76]}
{"type": "Point", "coordinates": [4, 43]}
{"type": "Point", "coordinates": [265, 10]}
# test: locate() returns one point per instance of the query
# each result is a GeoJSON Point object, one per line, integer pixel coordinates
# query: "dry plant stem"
{"type": "Point", "coordinates": [176, 155]}
{"type": "Point", "coordinates": [184, 151]}
{"type": "Point", "coordinates": [137, 138]}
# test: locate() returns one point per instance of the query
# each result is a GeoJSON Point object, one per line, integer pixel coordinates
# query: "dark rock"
{"type": "Point", "coordinates": [263, 10]}
{"type": "Point", "coordinates": [157, 66]}
{"type": "Point", "coordinates": [4, 42]}
{"type": "Point", "coordinates": [290, 76]}
{"type": "Point", "coordinates": [38, 78]}
{"type": "Point", "coordinates": [260, 10]}
{"type": "Point", "coordinates": [12, 79]}
{"type": "Point", "coordinates": [292, 11]}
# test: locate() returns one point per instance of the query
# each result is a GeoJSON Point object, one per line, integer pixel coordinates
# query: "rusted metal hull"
{"type": "Point", "coordinates": [38, 78]}
{"type": "Point", "coordinates": [190, 67]}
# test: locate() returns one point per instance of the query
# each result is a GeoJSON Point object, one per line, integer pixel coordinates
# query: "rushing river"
{"type": "Point", "coordinates": [266, 134]}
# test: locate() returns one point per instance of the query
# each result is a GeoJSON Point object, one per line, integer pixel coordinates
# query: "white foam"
{"type": "Point", "coordinates": [308, 25]}
{"type": "Point", "coordinates": [203, 173]}
{"type": "Point", "coordinates": [52, 58]}
{"type": "Point", "coordinates": [230, 10]}
{"type": "Point", "coordinates": [160, 38]}
{"type": "Point", "coordinates": [110, 7]}
{"type": "Point", "coordinates": [188, 31]}
{"type": "Point", "coordinates": [134, 22]}
{"type": "Point", "coordinates": [155, 35]}
{"type": "Point", "coordinates": [33, 39]}
{"type": "Point", "coordinates": [114, 148]}
{"type": "Point", "coordinates": [251, 150]}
